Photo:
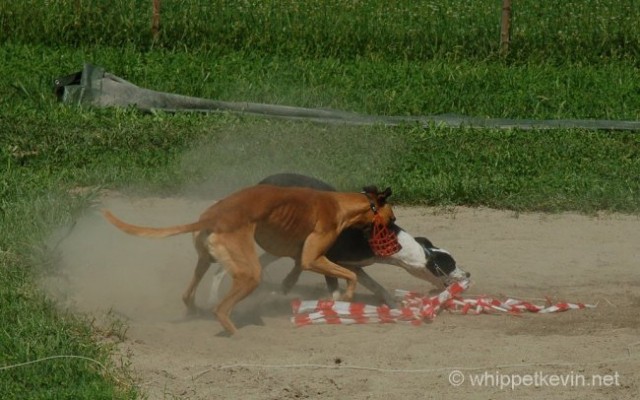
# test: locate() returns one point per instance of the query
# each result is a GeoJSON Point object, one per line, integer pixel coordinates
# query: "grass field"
{"type": "Point", "coordinates": [409, 58]}
{"type": "Point", "coordinates": [595, 31]}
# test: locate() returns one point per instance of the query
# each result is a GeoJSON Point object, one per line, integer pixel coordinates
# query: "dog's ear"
{"type": "Point", "coordinates": [381, 197]}
{"type": "Point", "coordinates": [425, 243]}
{"type": "Point", "coordinates": [371, 189]}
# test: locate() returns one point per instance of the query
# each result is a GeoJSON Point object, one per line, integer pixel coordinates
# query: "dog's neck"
{"type": "Point", "coordinates": [357, 211]}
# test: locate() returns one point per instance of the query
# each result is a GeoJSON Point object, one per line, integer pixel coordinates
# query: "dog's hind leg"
{"type": "Point", "coordinates": [218, 277]}
{"type": "Point", "coordinates": [265, 260]}
{"type": "Point", "coordinates": [189, 295]}
{"type": "Point", "coordinates": [236, 251]}
{"type": "Point", "coordinates": [204, 261]}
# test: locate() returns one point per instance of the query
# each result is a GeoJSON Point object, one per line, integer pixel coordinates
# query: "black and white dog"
{"type": "Point", "coordinates": [418, 256]}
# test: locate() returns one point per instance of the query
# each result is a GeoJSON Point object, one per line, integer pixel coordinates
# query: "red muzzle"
{"type": "Point", "coordinates": [383, 241]}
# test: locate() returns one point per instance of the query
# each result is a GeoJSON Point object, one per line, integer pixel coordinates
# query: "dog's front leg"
{"type": "Point", "coordinates": [371, 284]}
{"type": "Point", "coordinates": [323, 266]}
{"type": "Point", "coordinates": [313, 259]}
{"type": "Point", "coordinates": [291, 278]}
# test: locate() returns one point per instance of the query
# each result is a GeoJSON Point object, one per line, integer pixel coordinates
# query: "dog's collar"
{"type": "Point", "coordinates": [373, 206]}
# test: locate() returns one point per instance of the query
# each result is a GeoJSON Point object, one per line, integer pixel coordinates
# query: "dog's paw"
{"type": "Point", "coordinates": [287, 285]}
{"type": "Point", "coordinates": [348, 297]}
{"type": "Point", "coordinates": [224, 334]}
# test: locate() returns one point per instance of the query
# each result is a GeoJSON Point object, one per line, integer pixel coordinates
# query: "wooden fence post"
{"type": "Point", "coordinates": [155, 20]}
{"type": "Point", "coordinates": [505, 27]}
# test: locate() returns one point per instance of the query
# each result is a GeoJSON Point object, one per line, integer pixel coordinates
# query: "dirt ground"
{"type": "Point", "coordinates": [584, 354]}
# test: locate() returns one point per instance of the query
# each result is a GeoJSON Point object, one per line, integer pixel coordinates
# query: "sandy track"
{"type": "Point", "coordinates": [529, 256]}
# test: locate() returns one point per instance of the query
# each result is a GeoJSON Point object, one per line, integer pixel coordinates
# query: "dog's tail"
{"type": "Point", "coordinates": [152, 232]}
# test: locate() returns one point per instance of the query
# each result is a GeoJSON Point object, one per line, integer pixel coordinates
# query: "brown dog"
{"type": "Point", "coordinates": [287, 222]}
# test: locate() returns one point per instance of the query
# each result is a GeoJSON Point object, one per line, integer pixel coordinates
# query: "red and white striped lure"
{"type": "Point", "coordinates": [416, 308]}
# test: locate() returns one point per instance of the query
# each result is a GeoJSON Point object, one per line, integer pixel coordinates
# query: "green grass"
{"type": "Point", "coordinates": [483, 89]}
{"type": "Point", "coordinates": [32, 328]}
{"type": "Point", "coordinates": [544, 171]}
{"type": "Point", "coordinates": [593, 31]}
{"type": "Point", "coordinates": [526, 170]}
{"type": "Point", "coordinates": [376, 57]}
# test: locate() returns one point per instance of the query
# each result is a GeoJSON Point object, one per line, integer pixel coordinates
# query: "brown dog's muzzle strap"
{"type": "Point", "coordinates": [372, 204]}
{"type": "Point", "coordinates": [383, 241]}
